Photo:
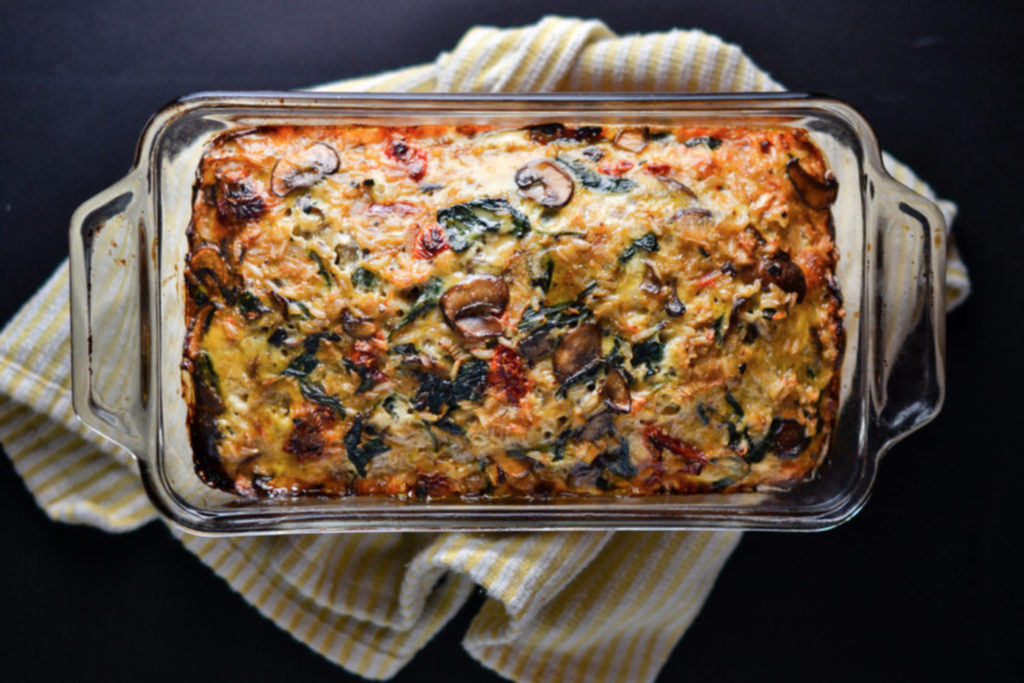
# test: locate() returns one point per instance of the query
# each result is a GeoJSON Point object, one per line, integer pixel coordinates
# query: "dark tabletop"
{"type": "Point", "coordinates": [922, 584]}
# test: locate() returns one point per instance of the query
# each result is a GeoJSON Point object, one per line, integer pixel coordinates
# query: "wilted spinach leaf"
{"type": "Point", "coordinates": [464, 223]}
{"type": "Point", "coordinates": [734, 404]}
{"type": "Point", "coordinates": [617, 460]}
{"type": "Point", "coordinates": [593, 179]}
{"type": "Point", "coordinates": [324, 273]}
{"type": "Point", "coordinates": [706, 140]}
{"type": "Point", "coordinates": [301, 365]}
{"type": "Point", "coordinates": [368, 376]}
{"type": "Point", "coordinates": [364, 279]}
{"type": "Point", "coordinates": [359, 453]}
{"type": "Point", "coordinates": [428, 298]}
{"type": "Point", "coordinates": [314, 391]}
{"type": "Point", "coordinates": [558, 315]}
{"type": "Point", "coordinates": [648, 353]}
{"type": "Point", "coordinates": [544, 281]}
{"type": "Point", "coordinates": [277, 337]}
{"type": "Point", "coordinates": [470, 380]}
{"type": "Point", "coordinates": [250, 306]}
{"type": "Point", "coordinates": [436, 394]}
{"type": "Point", "coordinates": [648, 242]}
{"type": "Point", "coordinates": [306, 362]}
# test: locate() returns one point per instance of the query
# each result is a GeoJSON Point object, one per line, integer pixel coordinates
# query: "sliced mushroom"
{"type": "Point", "coordinates": [789, 437]}
{"type": "Point", "coordinates": [473, 307]}
{"type": "Point", "coordinates": [545, 183]}
{"type": "Point", "coordinates": [303, 168]}
{"type": "Point", "coordinates": [651, 282]}
{"type": "Point", "coordinates": [692, 212]}
{"type": "Point", "coordinates": [578, 351]}
{"type": "Point", "coordinates": [631, 140]}
{"type": "Point", "coordinates": [356, 326]}
{"type": "Point", "coordinates": [615, 392]}
{"type": "Point", "coordinates": [514, 467]}
{"type": "Point", "coordinates": [672, 182]}
{"type": "Point", "coordinates": [783, 273]}
{"type": "Point", "coordinates": [484, 327]}
{"type": "Point", "coordinates": [537, 345]}
{"type": "Point", "coordinates": [812, 192]}
{"type": "Point", "coordinates": [208, 267]}
{"type": "Point", "coordinates": [597, 426]}
{"type": "Point", "coordinates": [674, 307]}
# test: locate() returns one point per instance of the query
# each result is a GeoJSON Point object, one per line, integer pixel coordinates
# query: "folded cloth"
{"type": "Point", "coordinates": [578, 606]}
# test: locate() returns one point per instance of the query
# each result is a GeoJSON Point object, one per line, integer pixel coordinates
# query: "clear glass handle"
{"type": "Point", "coordinates": [109, 325]}
{"type": "Point", "coordinates": [908, 305]}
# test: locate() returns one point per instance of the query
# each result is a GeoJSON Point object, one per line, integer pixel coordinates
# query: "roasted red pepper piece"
{"type": "Point", "coordinates": [657, 441]}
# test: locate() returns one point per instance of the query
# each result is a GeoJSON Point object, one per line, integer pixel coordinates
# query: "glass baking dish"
{"type": "Point", "coordinates": [128, 249]}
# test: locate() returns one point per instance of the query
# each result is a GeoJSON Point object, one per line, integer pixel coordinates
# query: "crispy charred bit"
{"type": "Point", "coordinates": [238, 202]}
{"type": "Point", "coordinates": [432, 485]}
{"type": "Point", "coordinates": [204, 434]}
{"type": "Point", "coordinates": [508, 376]}
{"type": "Point", "coordinates": [816, 194]}
{"type": "Point", "coordinates": [545, 133]}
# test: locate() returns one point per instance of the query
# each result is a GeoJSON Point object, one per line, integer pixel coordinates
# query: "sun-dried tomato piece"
{"type": "Point", "coordinates": [238, 202]}
{"type": "Point", "coordinates": [508, 376]}
{"type": "Point", "coordinates": [657, 441]}
{"type": "Point", "coordinates": [306, 442]}
{"type": "Point", "coordinates": [430, 241]}
{"type": "Point", "coordinates": [616, 168]}
{"type": "Point", "coordinates": [657, 168]}
{"type": "Point", "coordinates": [364, 360]}
{"type": "Point", "coordinates": [412, 158]}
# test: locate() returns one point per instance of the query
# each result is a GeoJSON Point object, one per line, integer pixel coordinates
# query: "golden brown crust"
{"type": "Point", "coordinates": [458, 311]}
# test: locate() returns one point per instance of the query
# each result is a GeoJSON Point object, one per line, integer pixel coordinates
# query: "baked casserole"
{"type": "Point", "coordinates": [475, 311]}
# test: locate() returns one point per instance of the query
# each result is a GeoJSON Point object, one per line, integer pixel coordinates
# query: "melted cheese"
{"type": "Point", "coordinates": [302, 378]}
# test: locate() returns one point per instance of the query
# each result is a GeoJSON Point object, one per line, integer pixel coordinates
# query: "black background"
{"type": "Point", "coordinates": [922, 584]}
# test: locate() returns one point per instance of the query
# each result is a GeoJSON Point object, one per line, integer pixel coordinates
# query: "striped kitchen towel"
{"type": "Point", "coordinates": [574, 606]}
